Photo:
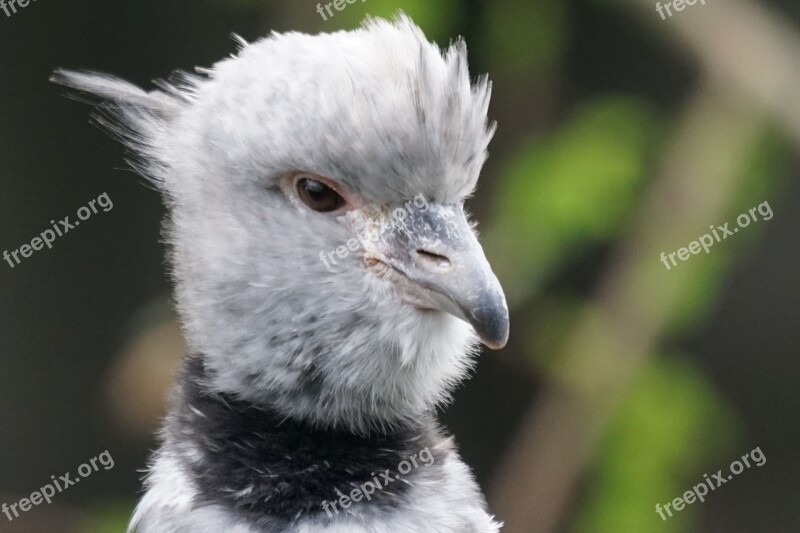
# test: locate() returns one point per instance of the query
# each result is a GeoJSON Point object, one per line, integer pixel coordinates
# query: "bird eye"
{"type": "Point", "coordinates": [318, 196]}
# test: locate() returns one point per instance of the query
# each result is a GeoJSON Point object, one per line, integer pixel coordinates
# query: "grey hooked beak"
{"type": "Point", "coordinates": [437, 252]}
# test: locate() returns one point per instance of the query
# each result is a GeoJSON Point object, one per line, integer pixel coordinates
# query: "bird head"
{"type": "Point", "coordinates": [323, 259]}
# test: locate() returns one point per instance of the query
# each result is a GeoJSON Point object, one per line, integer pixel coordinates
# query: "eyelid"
{"type": "Point", "coordinates": [351, 200]}
{"type": "Point", "coordinates": [322, 179]}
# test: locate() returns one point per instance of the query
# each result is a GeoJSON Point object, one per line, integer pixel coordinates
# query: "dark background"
{"type": "Point", "coordinates": [88, 338]}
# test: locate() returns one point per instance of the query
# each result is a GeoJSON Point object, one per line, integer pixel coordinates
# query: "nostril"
{"type": "Point", "coordinates": [431, 258]}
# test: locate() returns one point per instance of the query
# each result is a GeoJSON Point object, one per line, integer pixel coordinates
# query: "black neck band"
{"type": "Point", "coordinates": [274, 471]}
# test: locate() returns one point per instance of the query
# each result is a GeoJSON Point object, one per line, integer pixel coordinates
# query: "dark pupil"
{"type": "Point", "coordinates": [317, 191]}
{"type": "Point", "coordinates": [319, 196]}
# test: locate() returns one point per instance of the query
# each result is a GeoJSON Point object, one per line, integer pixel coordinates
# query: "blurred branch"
{"type": "Point", "coordinates": [636, 301]}
{"type": "Point", "coordinates": [747, 55]}
{"type": "Point", "coordinates": [744, 46]}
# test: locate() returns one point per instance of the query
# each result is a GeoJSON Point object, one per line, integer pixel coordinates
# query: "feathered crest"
{"type": "Point", "coordinates": [139, 119]}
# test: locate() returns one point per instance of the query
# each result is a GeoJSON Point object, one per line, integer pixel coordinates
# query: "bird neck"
{"type": "Point", "coordinates": [251, 459]}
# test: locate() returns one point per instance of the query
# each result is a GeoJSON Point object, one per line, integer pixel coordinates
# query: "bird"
{"type": "Point", "coordinates": [329, 281]}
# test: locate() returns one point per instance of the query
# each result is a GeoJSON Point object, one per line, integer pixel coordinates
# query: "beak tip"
{"type": "Point", "coordinates": [492, 328]}
{"type": "Point", "coordinates": [494, 344]}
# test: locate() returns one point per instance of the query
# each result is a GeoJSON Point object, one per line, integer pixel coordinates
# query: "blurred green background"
{"type": "Point", "coordinates": [621, 136]}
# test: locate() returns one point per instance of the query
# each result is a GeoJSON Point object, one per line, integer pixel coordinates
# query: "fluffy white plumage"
{"type": "Point", "coordinates": [387, 115]}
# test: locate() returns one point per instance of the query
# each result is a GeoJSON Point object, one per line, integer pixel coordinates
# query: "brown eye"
{"type": "Point", "coordinates": [318, 196]}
